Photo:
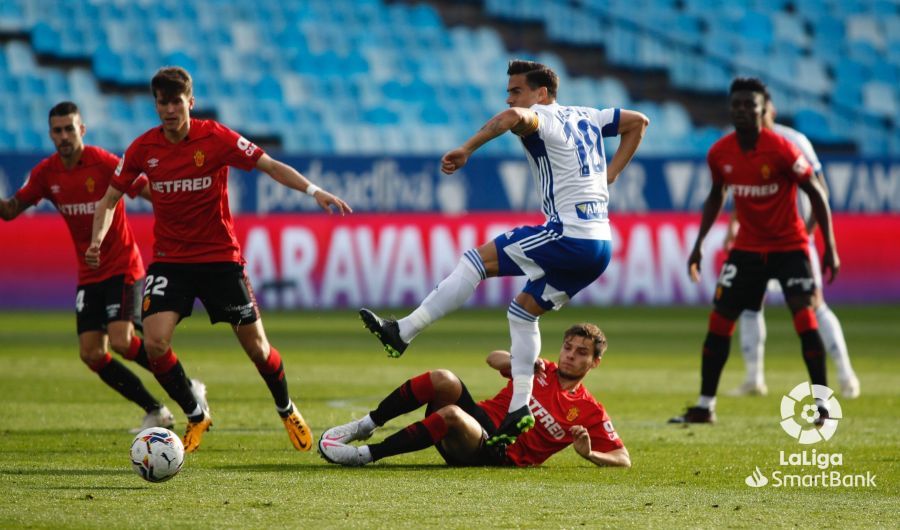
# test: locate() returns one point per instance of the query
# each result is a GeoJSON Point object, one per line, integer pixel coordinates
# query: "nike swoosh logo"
{"type": "Point", "coordinates": [329, 443]}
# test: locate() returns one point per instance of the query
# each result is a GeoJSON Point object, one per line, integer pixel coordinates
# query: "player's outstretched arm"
{"type": "Point", "coordinates": [582, 445]}
{"type": "Point", "coordinates": [518, 120]}
{"type": "Point", "coordinates": [290, 177]}
{"type": "Point", "coordinates": [632, 126]}
{"type": "Point", "coordinates": [103, 216]}
{"type": "Point", "coordinates": [831, 263]}
{"type": "Point", "coordinates": [711, 208]}
{"type": "Point", "coordinates": [501, 361]}
{"type": "Point", "coordinates": [10, 209]}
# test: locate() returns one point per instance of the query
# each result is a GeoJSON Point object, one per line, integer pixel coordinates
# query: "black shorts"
{"type": "Point", "coordinates": [97, 304]}
{"type": "Point", "coordinates": [485, 456]}
{"type": "Point", "coordinates": [222, 287]}
{"type": "Point", "coordinates": [742, 282]}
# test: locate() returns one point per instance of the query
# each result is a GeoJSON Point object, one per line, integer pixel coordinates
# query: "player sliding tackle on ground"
{"type": "Point", "coordinates": [459, 428]}
{"type": "Point", "coordinates": [564, 147]}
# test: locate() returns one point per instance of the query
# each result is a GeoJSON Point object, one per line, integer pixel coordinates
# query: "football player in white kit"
{"type": "Point", "coordinates": [752, 324]}
{"type": "Point", "coordinates": [564, 147]}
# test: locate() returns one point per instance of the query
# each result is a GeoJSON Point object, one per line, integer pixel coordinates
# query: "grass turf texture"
{"type": "Point", "coordinates": [64, 440]}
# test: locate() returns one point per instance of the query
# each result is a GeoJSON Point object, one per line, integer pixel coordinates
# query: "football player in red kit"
{"type": "Point", "coordinates": [74, 179]}
{"type": "Point", "coordinates": [196, 253]}
{"type": "Point", "coordinates": [564, 410]}
{"type": "Point", "coordinates": [764, 171]}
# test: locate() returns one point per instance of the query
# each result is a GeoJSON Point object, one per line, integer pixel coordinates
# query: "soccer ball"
{"type": "Point", "coordinates": [156, 454]}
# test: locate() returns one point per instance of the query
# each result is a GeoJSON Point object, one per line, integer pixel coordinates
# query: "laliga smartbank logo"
{"type": "Point", "coordinates": [809, 415]}
{"type": "Point", "coordinates": [815, 423]}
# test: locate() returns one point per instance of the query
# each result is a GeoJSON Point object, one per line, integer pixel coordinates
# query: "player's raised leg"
{"type": "Point", "coordinates": [268, 362]}
{"type": "Point", "coordinates": [449, 295]}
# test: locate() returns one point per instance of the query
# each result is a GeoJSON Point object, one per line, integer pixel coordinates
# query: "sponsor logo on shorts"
{"type": "Point", "coordinates": [146, 304]}
{"type": "Point", "coordinates": [806, 283]}
{"type": "Point", "coordinates": [112, 310]}
{"type": "Point", "coordinates": [245, 311]}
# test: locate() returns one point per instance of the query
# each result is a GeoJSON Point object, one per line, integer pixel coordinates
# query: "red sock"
{"type": "Point", "coordinates": [436, 426]}
{"type": "Point", "coordinates": [164, 363]}
{"type": "Point", "coordinates": [100, 364]}
{"type": "Point", "coordinates": [133, 348]}
{"type": "Point", "coordinates": [422, 388]}
{"type": "Point", "coordinates": [271, 364]}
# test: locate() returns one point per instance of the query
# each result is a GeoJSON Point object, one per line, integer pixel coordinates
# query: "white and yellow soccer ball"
{"type": "Point", "coordinates": [157, 454]}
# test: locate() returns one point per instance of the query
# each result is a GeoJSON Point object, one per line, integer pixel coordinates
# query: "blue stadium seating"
{"type": "Point", "coordinates": [371, 76]}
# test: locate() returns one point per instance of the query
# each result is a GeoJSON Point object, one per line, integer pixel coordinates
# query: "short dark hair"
{"type": "Point", "coordinates": [536, 75]}
{"type": "Point", "coordinates": [171, 82]}
{"type": "Point", "coordinates": [592, 332]}
{"type": "Point", "coordinates": [750, 84]}
{"type": "Point", "coordinates": [63, 108]}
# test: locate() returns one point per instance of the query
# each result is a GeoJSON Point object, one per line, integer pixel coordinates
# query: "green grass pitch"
{"type": "Point", "coordinates": [64, 440]}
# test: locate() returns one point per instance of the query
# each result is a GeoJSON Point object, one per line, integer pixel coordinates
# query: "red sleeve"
{"type": "Point", "coordinates": [240, 152]}
{"type": "Point", "coordinates": [712, 160]}
{"type": "Point", "coordinates": [799, 168]}
{"type": "Point", "coordinates": [604, 437]}
{"type": "Point", "coordinates": [138, 185]}
{"type": "Point", "coordinates": [33, 190]}
{"type": "Point", "coordinates": [128, 170]}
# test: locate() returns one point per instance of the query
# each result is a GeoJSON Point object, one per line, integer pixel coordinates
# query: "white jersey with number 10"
{"type": "Point", "coordinates": [568, 162]}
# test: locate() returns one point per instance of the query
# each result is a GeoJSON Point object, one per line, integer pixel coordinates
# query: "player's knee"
{"type": "Point", "coordinates": [155, 346]}
{"type": "Point", "coordinates": [453, 416]}
{"type": "Point", "coordinates": [258, 351]}
{"type": "Point", "coordinates": [444, 380]}
{"type": "Point", "coordinates": [119, 343]}
{"type": "Point", "coordinates": [91, 356]}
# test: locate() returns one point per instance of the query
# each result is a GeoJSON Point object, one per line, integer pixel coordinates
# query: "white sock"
{"type": "Point", "coordinates": [366, 424]}
{"type": "Point", "coordinates": [365, 454]}
{"type": "Point", "coordinates": [833, 337]}
{"type": "Point", "coordinates": [288, 408]}
{"type": "Point", "coordinates": [448, 296]}
{"type": "Point", "coordinates": [753, 344]}
{"type": "Point", "coordinates": [525, 348]}
{"type": "Point", "coordinates": [706, 402]}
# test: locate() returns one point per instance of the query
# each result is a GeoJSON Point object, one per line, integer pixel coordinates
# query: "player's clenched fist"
{"type": "Point", "coordinates": [92, 255]}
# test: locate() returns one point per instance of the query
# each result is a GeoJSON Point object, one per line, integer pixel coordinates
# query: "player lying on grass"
{"type": "Point", "coordinates": [565, 412]}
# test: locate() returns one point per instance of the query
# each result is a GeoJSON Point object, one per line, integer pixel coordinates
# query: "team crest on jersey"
{"type": "Point", "coordinates": [146, 302]}
{"type": "Point", "coordinates": [765, 171]}
{"type": "Point", "coordinates": [89, 184]}
{"type": "Point", "coordinates": [199, 158]}
{"type": "Point", "coordinates": [572, 414]}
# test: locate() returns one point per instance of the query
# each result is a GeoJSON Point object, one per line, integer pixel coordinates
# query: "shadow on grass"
{"type": "Point", "coordinates": [324, 465]}
{"type": "Point", "coordinates": [64, 472]}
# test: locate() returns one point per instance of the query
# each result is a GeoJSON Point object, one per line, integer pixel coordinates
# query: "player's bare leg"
{"type": "Point", "coordinates": [158, 331]}
{"type": "Point", "coordinates": [268, 362]}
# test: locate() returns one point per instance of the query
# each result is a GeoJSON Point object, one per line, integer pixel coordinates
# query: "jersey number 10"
{"type": "Point", "coordinates": [586, 137]}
